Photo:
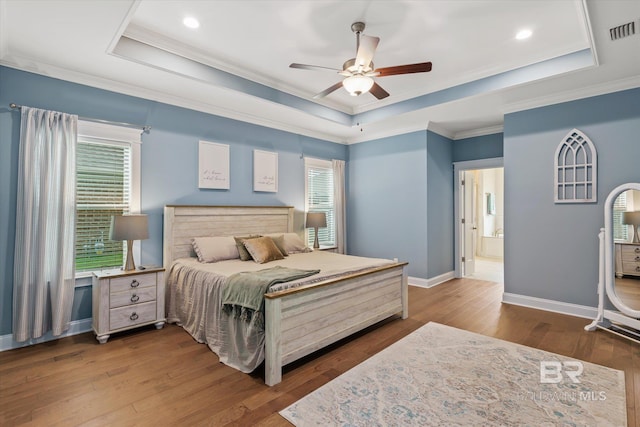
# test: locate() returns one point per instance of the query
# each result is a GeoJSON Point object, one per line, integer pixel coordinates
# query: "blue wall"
{"type": "Point", "coordinates": [169, 160]}
{"type": "Point", "coordinates": [478, 147]}
{"type": "Point", "coordinates": [400, 189]}
{"type": "Point", "coordinates": [440, 216]}
{"type": "Point", "coordinates": [401, 201]}
{"type": "Point", "coordinates": [387, 200]}
{"type": "Point", "coordinates": [551, 251]}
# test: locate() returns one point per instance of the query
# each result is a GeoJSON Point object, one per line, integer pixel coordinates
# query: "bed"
{"type": "Point", "coordinates": [299, 317]}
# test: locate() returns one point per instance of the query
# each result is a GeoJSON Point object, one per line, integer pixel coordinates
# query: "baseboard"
{"type": "Point", "coordinates": [429, 283]}
{"type": "Point", "coordinates": [551, 305]}
{"type": "Point", "coordinates": [75, 327]}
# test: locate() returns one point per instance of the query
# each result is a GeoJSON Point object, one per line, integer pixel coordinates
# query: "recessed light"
{"type": "Point", "coordinates": [523, 34]}
{"type": "Point", "coordinates": [191, 22]}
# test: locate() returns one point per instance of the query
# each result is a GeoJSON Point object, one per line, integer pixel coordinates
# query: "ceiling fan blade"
{"type": "Point", "coordinates": [378, 92]}
{"type": "Point", "coordinates": [422, 67]}
{"type": "Point", "coordinates": [312, 67]}
{"type": "Point", "coordinates": [328, 90]}
{"type": "Point", "coordinates": [366, 50]}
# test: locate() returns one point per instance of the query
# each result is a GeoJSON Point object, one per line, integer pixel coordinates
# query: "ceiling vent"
{"type": "Point", "coordinates": [622, 31]}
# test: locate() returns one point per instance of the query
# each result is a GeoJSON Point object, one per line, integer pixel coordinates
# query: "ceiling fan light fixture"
{"type": "Point", "coordinates": [357, 85]}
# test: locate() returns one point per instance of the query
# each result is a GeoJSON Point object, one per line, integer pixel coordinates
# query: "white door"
{"type": "Point", "coordinates": [468, 224]}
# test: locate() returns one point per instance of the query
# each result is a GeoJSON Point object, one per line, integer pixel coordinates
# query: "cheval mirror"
{"type": "Point", "coordinates": [619, 278]}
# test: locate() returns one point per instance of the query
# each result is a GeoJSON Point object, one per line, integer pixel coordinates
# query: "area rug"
{"type": "Point", "coordinates": [439, 375]}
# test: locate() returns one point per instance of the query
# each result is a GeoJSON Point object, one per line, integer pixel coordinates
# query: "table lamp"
{"type": "Point", "coordinates": [632, 218]}
{"type": "Point", "coordinates": [315, 220]}
{"type": "Point", "coordinates": [129, 228]}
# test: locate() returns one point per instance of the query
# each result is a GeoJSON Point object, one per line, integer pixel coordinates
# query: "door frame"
{"type": "Point", "coordinates": [458, 167]}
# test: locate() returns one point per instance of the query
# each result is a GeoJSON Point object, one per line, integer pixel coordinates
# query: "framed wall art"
{"type": "Point", "coordinates": [213, 165]}
{"type": "Point", "coordinates": [576, 169]}
{"type": "Point", "coordinates": [265, 171]}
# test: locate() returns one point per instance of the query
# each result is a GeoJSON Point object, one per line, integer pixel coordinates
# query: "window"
{"type": "Point", "coordinates": [620, 230]}
{"type": "Point", "coordinates": [319, 198]}
{"type": "Point", "coordinates": [107, 184]}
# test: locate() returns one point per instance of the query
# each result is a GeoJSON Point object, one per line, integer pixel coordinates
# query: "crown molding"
{"type": "Point", "coordinates": [575, 94]}
{"type": "Point", "coordinates": [440, 130]}
{"type": "Point", "coordinates": [52, 71]}
{"type": "Point", "coordinates": [489, 130]}
{"type": "Point", "coordinates": [584, 13]}
{"type": "Point", "coordinates": [160, 41]}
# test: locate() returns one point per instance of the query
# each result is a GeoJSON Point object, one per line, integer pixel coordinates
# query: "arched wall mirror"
{"type": "Point", "coordinates": [619, 264]}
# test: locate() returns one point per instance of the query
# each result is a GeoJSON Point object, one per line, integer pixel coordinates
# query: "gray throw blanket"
{"type": "Point", "coordinates": [244, 294]}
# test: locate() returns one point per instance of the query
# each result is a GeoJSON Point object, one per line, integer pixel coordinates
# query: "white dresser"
{"type": "Point", "coordinates": [127, 299]}
{"type": "Point", "coordinates": [627, 259]}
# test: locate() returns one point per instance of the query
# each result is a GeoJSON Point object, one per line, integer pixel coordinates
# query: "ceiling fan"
{"type": "Point", "coordinates": [359, 71]}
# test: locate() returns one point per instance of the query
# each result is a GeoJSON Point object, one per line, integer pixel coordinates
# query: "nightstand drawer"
{"type": "Point", "coordinates": [137, 281]}
{"type": "Point", "coordinates": [132, 296]}
{"type": "Point", "coordinates": [630, 251]}
{"type": "Point", "coordinates": [630, 257]}
{"type": "Point", "coordinates": [631, 268]}
{"type": "Point", "coordinates": [132, 315]}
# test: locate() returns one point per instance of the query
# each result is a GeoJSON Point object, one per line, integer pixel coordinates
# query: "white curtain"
{"type": "Point", "coordinates": [339, 200]}
{"type": "Point", "coordinates": [44, 263]}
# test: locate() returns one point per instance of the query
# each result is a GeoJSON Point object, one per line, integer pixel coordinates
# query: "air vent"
{"type": "Point", "coordinates": [622, 31]}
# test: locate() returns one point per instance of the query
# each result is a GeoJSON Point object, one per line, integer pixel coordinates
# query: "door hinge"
{"type": "Point", "coordinates": [463, 260]}
{"type": "Point", "coordinates": [462, 182]}
{"type": "Point", "coordinates": [462, 220]}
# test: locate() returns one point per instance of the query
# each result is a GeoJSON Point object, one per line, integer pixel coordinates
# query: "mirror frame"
{"type": "Point", "coordinates": [610, 252]}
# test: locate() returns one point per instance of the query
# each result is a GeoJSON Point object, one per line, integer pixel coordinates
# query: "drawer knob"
{"type": "Point", "coordinates": [637, 250]}
{"type": "Point", "coordinates": [135, 283]}
{"type": "Point", "coordinates": [135, 298]}
{"type": "Point", "coordinates": [134, 316]}
{"type": "Point", "coordinates": [638, 258]}
{"type": "Point", "coordinates": [638, 268]}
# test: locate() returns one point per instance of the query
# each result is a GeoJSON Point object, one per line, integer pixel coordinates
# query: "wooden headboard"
{"type": "Point", "coordinates": [182, 223]}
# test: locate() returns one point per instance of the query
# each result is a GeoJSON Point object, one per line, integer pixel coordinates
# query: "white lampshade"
{"type": "Point", "coordinates": [316, 219]}
{"type": "Point", "coordinates": [631, 218]}
{"type": "Point", "coordinates": [129, 227]}
{"type": "Point", "coordinates": [357, 84]}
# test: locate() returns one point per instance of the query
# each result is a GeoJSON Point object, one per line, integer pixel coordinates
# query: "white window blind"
{"type": "Point", "coordinates": [103, 190]}
{"type": "Point", "coordinates": [620, 230]}
{"type": "Point", "coordinates": [319, 198]}
{"type": "Point", "coordinates": [107, 184]}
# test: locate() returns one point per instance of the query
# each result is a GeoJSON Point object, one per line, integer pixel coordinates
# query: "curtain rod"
{"type": "Point", "coordinates": [144, 128]}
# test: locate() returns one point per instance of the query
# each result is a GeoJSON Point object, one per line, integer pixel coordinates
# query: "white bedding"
{"type": "Point", "coordinates": [194, 292]}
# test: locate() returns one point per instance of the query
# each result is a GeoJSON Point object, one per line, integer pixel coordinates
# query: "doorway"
{"type": "Point", "coordinates": [479, 212]}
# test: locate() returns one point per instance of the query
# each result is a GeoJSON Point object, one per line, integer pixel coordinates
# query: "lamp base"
{"type": "Point", "coordinates": [316, 244]}
{"type": "Point", "coordinates": [636, 238]}
{"type": "Point", "coordinates": [129, 265]}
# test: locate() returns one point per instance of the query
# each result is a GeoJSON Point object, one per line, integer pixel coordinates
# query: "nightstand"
{"type": "Point", "coordinates": [127, 299]}
{"type": "Point", "coordinates": [627, 259]}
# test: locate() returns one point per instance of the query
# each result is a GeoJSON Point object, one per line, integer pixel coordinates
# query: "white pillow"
{"type": "Point", "coordinates": [214, 249]}
{"type": "Point", "coordinates": [292, 242]}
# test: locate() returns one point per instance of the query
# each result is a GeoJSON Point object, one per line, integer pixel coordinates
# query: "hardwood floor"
{"type": "Point", "coordinates": [159, 378]}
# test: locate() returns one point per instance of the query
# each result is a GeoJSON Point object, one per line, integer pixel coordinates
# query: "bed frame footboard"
{"type": "Point", "coordinates": [302, 320]}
